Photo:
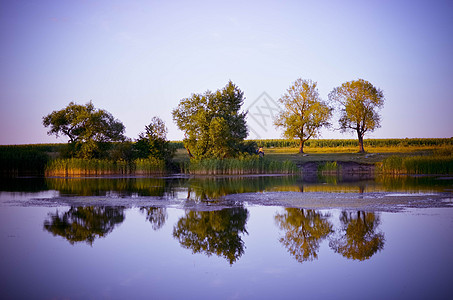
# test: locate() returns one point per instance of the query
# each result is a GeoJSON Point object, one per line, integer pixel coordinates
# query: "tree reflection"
{"type": "Point", "coordinates": [358, 237]}
{"type": "Point", "coordinates": [304, 230]}
{"type": "Point", "coordinates": [213, 232]}
{"type": "Point", "coordinates": [156, 216]}
{"type": "Point", "coordinates": [84, 224]}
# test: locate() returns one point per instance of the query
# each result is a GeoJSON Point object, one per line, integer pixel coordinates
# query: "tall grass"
{"type": "Point", "coordinates": [90, 167]}
{"type": "Point", "coordinates": [149, 166]}
{"type": "Point", "coordinates": [417, 165]}
{"type": "Point", "coordinates": [329, 168]}
{"type": "Point", "coordinates": [238, 166]}
{"type": "Point", "coordinates": [86, 167]}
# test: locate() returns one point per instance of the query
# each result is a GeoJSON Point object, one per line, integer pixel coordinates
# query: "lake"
{"type": "Point", "coordinates": [257, 237]}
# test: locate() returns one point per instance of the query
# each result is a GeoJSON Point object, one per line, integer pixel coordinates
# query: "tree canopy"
{"type": "Point", "coordinates": [304, 112]}
{"type": "Point", "coordinates": [304, 230]}
{"type": "Point", "coordinates": [153, 142]}
{"type": "Point", "coordinates": [212, 122]}
{"type": "Point", "coordinates": [213, 232]}
{"type": "Point", "coordinates": [84, 224]}
{"type": "Point", "coordinates": [358, 238]}
{"type": "Point", "coordinates": [359, 102]}
{"type": "Point", "coordinates": [85, 126]}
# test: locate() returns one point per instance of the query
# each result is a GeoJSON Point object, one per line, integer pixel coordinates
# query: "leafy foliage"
{"type": "Point", "coordinates": [84, 224]}
{"type": "Point", "coordinates": [359, 101]}
{"type": "Point", "coordinates": [359, 239]}
{"type": "Point", "coordinates": [213, 232]}
{"type": "Point", "coordinates": [88, 128]}
{"type": "Point", "coordinates": [212, 122]}
{"type": "Point", "coordinates": [153, 142]}
{"type": "Point", "coordinates": [304, 230]}
{"type": "Point", "coordinates": [304, 112]}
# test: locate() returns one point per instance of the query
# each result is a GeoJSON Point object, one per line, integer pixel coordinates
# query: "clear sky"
{"type": "Point", "coordinates": [138, 59]}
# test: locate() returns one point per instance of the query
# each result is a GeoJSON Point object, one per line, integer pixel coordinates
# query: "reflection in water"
{"type": "Point", "coordinates": [206, 189]}
{"type": "Point", "coordinates": [156, 216]}
{"type": "Point", "coordinates": [304, 230]}
{"type": "Point", "coordinates": [84, 224]}
{"type": "Point", "coordinates": [213, 232]}
{"type": "Point", "coordinates": [119, 187]}
{"type": "Point", "coordinates": [359, 239]}
{"type": "Point", "coordinates": [213, 188]}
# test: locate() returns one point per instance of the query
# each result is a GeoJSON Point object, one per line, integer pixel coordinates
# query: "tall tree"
{"type": "Point", "coordinates": [304, 230]}
{"type": "Point", "coordinates": [213, 124]}
{"type": "Point", "coordinates": [359, 102]}
{"type": "Point", "coordinates": [84, 224]}
{"type": "Point", "coordinates": [304, 112]}
{"type": "Point", "coordinates": [213, 232]}
{"type": "Point", "coordinates": [85, 126]}
{"type": "Point", "coordinates": [358, 238]}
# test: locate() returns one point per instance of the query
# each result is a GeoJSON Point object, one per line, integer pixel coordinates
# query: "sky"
{"type": "Point", "coordinates": [138, 59]}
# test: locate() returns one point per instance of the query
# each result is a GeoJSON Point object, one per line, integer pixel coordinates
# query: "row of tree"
{"type": "Point", "coordinates": [214, 125]}
{"type": "Point", "coordinates": [305, 113]}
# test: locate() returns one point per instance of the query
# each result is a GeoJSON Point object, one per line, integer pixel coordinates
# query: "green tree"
{"type": "Point", "coordinates": [304, 112]}
{"type": "Point", "coordinates": [304, 230]}
{"type": "Point", "coordinates": [213, 232]}
{"type": "Point", "coordinates": [84, 224]}
{"type": "Point", "coordinates": [88, 128]}
{"type": "Point", "coordinates": [153, 142]}
{"type": "Point", "coordinates": [212, 122]}
{"type": "Point", "coordinates": [359, 102]}
{"type": "Point", "coordinates": [358, 237]}
{"type": "Point", "coordinates": [156, 216]}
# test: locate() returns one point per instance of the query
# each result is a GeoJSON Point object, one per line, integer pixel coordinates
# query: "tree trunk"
{"type": "Point", "coordinates": [301, 146]}
{"type": "Point", "coordinates": [361, 149]}
{"type": "Point", "coordinates": [190, 154]}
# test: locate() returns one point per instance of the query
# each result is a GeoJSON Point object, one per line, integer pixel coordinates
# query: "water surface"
{"type": "Point", "coordinates": [228, 238]}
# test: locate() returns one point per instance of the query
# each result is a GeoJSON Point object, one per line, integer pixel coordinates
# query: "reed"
{"type": "Point", "coordinates": [417, 165]}
{"type": "Point", "coordinates": [238, 166]}
{"type": "Point", "coordinates": [86, 167]}
{"type": "Point", "coordinates": [329, 168]}
{"type": "Point", "coordinates": [149, 166]}
{"type": "Point", "coordinates": [74, 167]}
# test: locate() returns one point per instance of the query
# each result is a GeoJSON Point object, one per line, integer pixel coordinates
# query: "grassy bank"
{"type": "Point", "coordinates": [395, 156]}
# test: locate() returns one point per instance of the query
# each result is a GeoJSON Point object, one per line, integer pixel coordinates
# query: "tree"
{"type": "Point", "coordinates": [358, 238]}
{"type": "Point", "coordinates": [359, 102]}
{"type": "Point", "coordinates": [84, 224]}
{"type": "Point", "coordinates": [156, 216]}
{"type": "Point", "coordinates": [153, 142]}
{"type": "Point", "coordinates": [304, 112]}
{"type": "Point", "coordinates": [212, 122]}
{"type": "Point", "coordinates": [304, 230]}
{"type": "Point", "coordinates": [213, 232]}
{"type": "Point", "coordinates": [86, 127]}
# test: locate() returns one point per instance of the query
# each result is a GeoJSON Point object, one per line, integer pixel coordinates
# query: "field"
{"type": "Point", "coordinates": [389, 155]}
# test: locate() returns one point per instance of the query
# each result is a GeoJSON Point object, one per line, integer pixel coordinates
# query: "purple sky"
{"type": "Point", "coordinates": [138, 59]}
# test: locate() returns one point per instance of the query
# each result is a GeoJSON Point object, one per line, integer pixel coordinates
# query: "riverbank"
{"type": "Point", "coordinates": [396, 156]}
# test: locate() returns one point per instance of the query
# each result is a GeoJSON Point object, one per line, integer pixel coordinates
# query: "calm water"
{"type": "Point", "coordinates": [174, 238]}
